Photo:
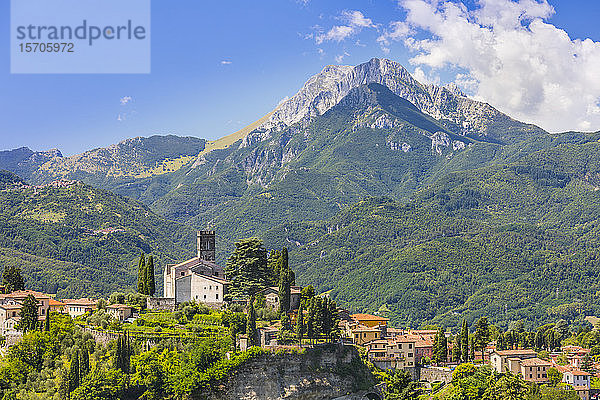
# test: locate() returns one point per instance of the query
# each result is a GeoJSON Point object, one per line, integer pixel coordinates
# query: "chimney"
{"type": "Point", "coordinates": [206, 245]}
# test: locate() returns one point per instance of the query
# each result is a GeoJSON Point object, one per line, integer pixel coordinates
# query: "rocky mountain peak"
{"type": "Point", "coordinates": [327, 88]}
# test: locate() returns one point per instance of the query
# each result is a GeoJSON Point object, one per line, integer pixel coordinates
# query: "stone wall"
{"type": "Point", "coordinates": [433, 374]}
{"type": "Point", "coordinates": [327, 372]}
{"type": "Point", "coordinates": [160, 303]}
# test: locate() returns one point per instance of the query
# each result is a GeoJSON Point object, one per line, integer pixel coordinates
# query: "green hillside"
{"type": "Point", "coordinates": [54, 234]}
{"type": "Point", "coordinates": [513, 241]}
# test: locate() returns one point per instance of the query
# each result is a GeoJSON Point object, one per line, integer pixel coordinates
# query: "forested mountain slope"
{"type": "Point", "coordinates": [512, 241]}
{"type": "Point", "coordinates": [74, 239]}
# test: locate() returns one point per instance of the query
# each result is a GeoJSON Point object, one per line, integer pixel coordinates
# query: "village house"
{"type": "Point", "coordinates": [9, 316]}
{"type": "Point", "coordinates": [499, 359]}
{"type": "Point", "coordinates": [20, 296]}
{"type": "Point", "coordinates": [272, 297]}
{"type": "Point", "coordinates": [364, 328]}
{"type": "Point", "coordinates": [398, 352]}
{"type": "Point", "coordinates": [76, 308]}
{"type": "Point", "coordinates": [120, 312]}
{"type": "Point", "coordinates": [531, 369]}
{"type": "Point", "coordinates": [198, 279]}
{"type": "Point", "coordinates": [57, 306]}
{"type": "Point", "coordinates": [11, 305]}
{"type": "Point", "coordinates": [580, 381]}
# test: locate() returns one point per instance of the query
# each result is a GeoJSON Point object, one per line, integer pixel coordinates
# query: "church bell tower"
{"type": "Point", "coordinates": [206, 245]}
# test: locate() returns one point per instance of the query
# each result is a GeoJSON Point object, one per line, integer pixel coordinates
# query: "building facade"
{"type": "Point", "coordinates": [198, 279]}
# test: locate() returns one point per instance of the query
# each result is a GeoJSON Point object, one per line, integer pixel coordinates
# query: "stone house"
{"type": "Point", "coordinates": [120, 312]}
{"type": "Point", "coordinates": [499, 359]}
{"type": "Point", "coordinates": [78, 307]}
{"type": "Point", "coordinates": [272, 297]}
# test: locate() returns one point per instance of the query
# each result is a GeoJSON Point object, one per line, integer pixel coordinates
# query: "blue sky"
{"type": "Point", "coordinates": [217, 66]}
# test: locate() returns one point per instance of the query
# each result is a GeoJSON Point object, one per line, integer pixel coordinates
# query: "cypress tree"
{"type": "Point", "coordinates": [29, 314]}
{"type": "Point", "coordinates": [84, 363]}
{"type": "Point", "coordinates": [74, 373]}
{"type": "Point", "coordinates": [47, 322]}
{"type": "Point", "coordinates": [150, 282]}
{"type": "Point", "coordinates": [284, 288]}
{"type": "Point", "coordinates": [141, 273]}
{"type": "Point", "coordinates": [471, 349]}
{"type": "Point", "coordinates": [456, 350]}
{"type": "Point", "coordinates": [118, 360]}
{"type": "Point", "coordinates": [464, 341]}
{"type": "Point", "coordinates": [300, 326]}
{"type": "Point", "coordinates": [251, 331]}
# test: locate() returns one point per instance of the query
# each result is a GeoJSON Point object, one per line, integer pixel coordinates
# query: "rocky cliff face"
{"type": "Point", "coordinates": [318, 374]}
{"type": "Point", "coordinates": [326, 89]}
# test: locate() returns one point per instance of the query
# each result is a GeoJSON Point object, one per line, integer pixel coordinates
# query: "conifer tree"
{"type": "Point", "coordinates": [464, 341]}
{"type": "Point", "coordinates": [251, 331]}
{"type": "Point", "coordinates": [247, 268]}
{"type": "Point", "coordinates": [456, 350]}
{"type": "Point", "coordinates": [471, 348]}
{"type": "Point", "coordinates": [13, 279]}
{"type": "Point", "coordinates": [300, 326]}
{"type": "Point", "coordinates": [142, 274]}
{"type": "Point", "coordinates": [29, 314]}
{"type": "Point", "coordinates": [150, 281]}
{"type": "Point", "coordinates": [284, 287]}
{"type": "Point", "coordinates": [74, 372]}
{"type": "Point", "coordinates": [273, 267]}
{"type": "Point", "coordinates": [482, 334]}
{"type": "Point", "coordinates": [84, 363]}
{"type": "Point", "coordinates": [47, 322]}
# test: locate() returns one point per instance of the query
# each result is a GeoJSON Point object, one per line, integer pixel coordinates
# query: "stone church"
{"type": "Point", "coordinates": [198, 279]}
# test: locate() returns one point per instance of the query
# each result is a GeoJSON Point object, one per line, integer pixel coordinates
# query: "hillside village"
{"type": "Point", "coordinates": [287, 320]}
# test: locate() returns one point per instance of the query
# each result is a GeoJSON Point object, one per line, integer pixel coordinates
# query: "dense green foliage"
{"type": "Point", "coordinates": [49, 234]}
{"type": "Point", "coordinates": [29, 314]}
{"type": "Point", "coordinates": [482, 383]}
{"type": "Point", "coordinates": [12, 279]}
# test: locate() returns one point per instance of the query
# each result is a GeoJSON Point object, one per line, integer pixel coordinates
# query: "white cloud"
{"type": "Point", "coordinates": [125, 100]}
{"type": "Point", "coordinates": [514, 59]}
{"type": "Point", "coordinates": [225, 62]}
{"type": "Point", "coordinates": [424, 78]}
{"type": "Point", "coordinates": [397, 30]}
{"type": "Point", "coordinates": [340, 57]}
{"type": "Point", "coordinates": [355, 22]}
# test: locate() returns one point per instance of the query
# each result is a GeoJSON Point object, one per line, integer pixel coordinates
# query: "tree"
{"type": "Point", "coordinates": [251, 331]}
{"type": "Point", "coordinates": [285, 283]}
{"type": "Point", "coordinates": [84, 363]}
{"type": "Point", "coordinates": [74, 372]}
{"type": "Point", "coordinates": [464, 341]}
{"type": "Point", "coordinates": [122, 358]}
{"type": "Point", "coordinates": [300, 326]}
{"type": "Point", "coordinates": [482, 334]}
{"type": "Point", "coordinates": [399, 386]}
{"type": "Point", "coordinates": [456, 350]}
{"type": "Point", "coordinates": [150, 281]}
{"type": "Point", "coordinates": [247, 268]}
{"type": "Point", "coordinates": [554, 376]}
{"type": "Point", "coordinates": [13, 279]}
{"type": "Point", "coordinates": [29, 314]}
{"type": "Point", "coordinates": [142, 274]}
{"type": "Point", "coordinates": [471, 348]}
{"type": "Point", "coordinates": [47, 323]}
{"type": "Point", "coordinates": [587, 364]}
{"type": "Point", "coordinates": [440, 347]}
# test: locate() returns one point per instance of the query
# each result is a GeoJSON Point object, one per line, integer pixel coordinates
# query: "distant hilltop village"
{"type": "Point", "coordinates": [61, 183]}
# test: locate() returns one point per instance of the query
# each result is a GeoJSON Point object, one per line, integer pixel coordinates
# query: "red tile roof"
{"type": "Point", "coordinates": [368, 317]}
